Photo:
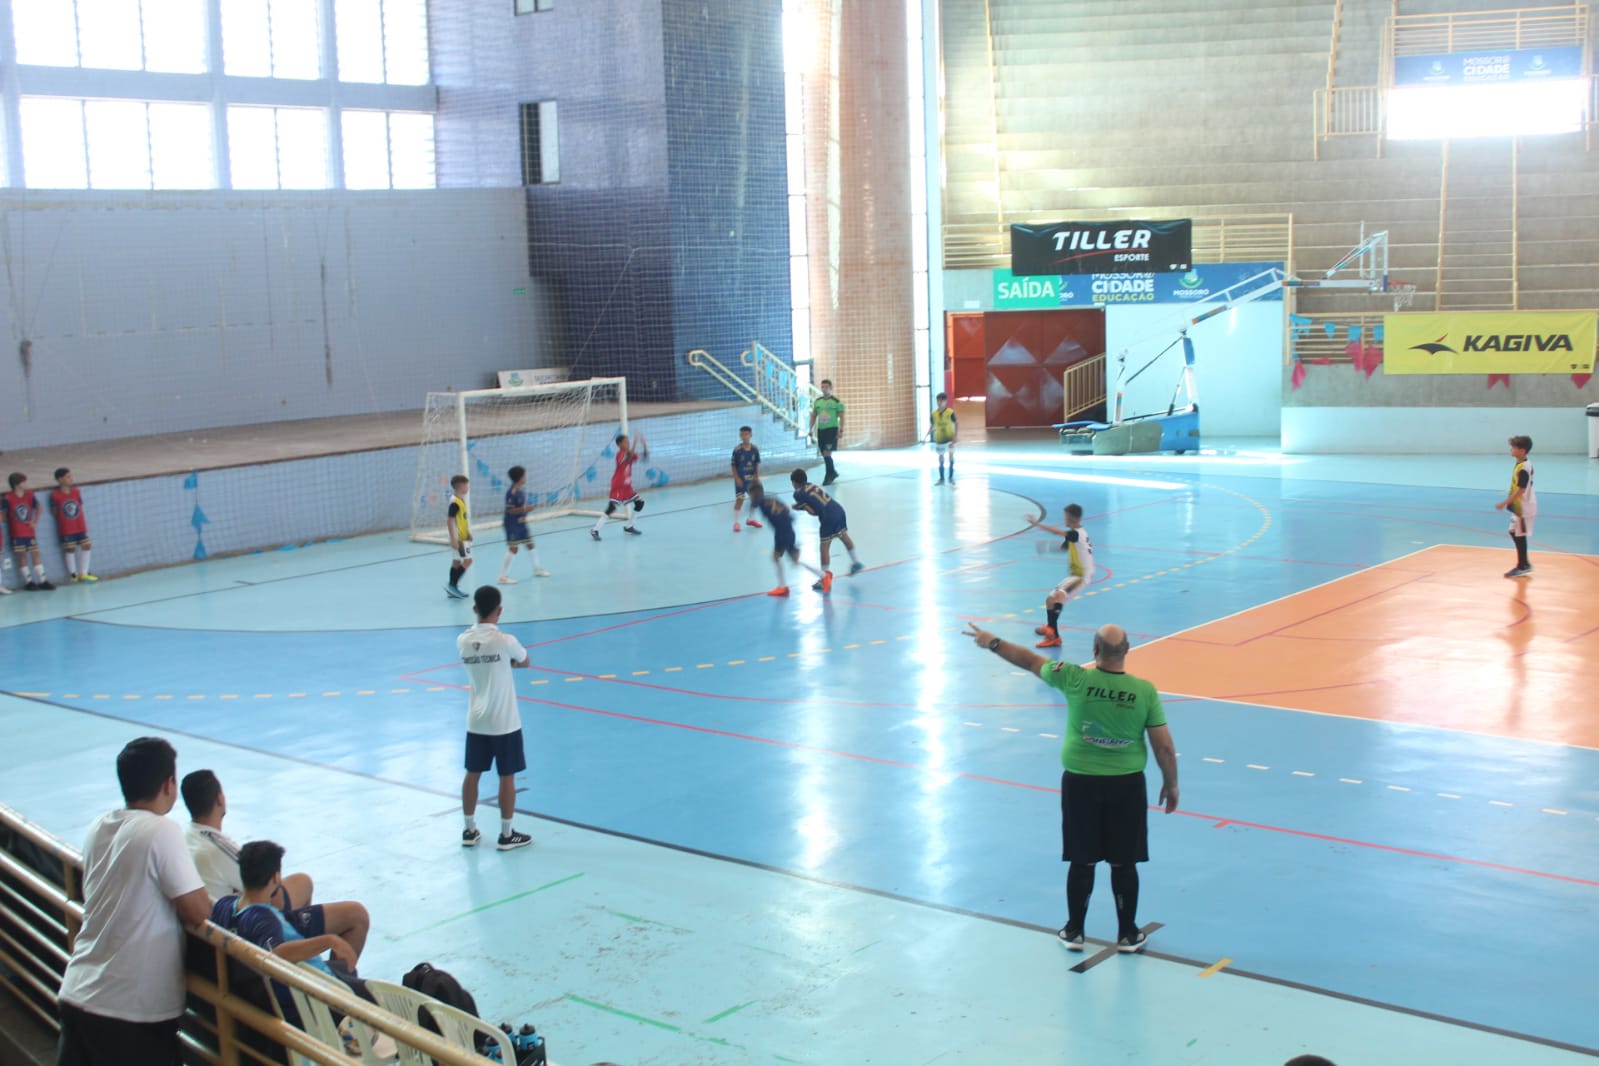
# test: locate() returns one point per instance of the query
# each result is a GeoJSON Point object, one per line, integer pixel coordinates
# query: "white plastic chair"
{"type": "Point", "coordinates": [316, 1018]}
{"type": "Point", "coordinates": [455, 1026]}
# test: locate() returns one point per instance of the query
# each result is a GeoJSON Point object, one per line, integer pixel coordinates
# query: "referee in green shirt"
{"type": "Point", "coordinates": [827, 421]}
{"type": "Point", "coordinates": [1104, 812]}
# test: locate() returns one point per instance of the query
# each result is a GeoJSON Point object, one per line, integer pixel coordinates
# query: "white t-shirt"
{"type": "Point", "coordinates": [216, 856]}
{"type": "Point", "coordinates": [128, 960]}
{"type": "Point", "coordinates": [487, 653]}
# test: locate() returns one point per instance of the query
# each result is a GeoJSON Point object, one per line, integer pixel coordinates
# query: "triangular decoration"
{"type": "Point", "coordinates": [1298, 376]}
{"type": "Point", "coordinates": [1498, 379]}
{"type": "Point", "coordinates": [198, 519]}
{"type": "Point", "coordinates": [1581, 380]}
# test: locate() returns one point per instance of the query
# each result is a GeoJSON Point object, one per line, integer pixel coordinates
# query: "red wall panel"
{"type": "Point", "coordinates": [1025, 353]}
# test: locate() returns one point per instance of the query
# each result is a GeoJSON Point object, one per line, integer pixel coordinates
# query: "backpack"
{"type": "Point", "coordinates": [427, 979]}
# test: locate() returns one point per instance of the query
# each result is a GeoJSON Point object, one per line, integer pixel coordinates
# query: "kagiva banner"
{"type": "Point", "coordinates": [1490, 342]}
{"type": "Point", "coordinates": [1102, 248]}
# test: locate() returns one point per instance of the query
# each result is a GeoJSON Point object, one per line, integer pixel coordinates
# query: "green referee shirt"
{"type": "Point", "coordinates": [829, 409]}
{"type": "Point", "coordinates": [1106, 716]}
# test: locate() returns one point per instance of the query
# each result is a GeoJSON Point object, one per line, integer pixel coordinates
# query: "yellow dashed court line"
{"type": "Point", "coordinates": [703, 666]}
{"type": "Point", "coordinates": [296, 695]}
{"type": "Point", "coordinates": [228, 696]}
{"type": "Point", "coordinates": [1209, 759]}
{"type": "Point", "coordinates": [364, 692]}
{"type": "Point", "coordinates": [263, 695]}
{"type": "Point", "coordinates": [1448, 796]}
{"type": "Point", "coordinates": [132, 696]}
{"type": "Point", "coordinates": [163, 696]}
{"type": "Point", "coordinates": [1500, 803]}
{"type": "Point", "coordinates": [1303, 773]}
{"type": "Point", "coordinates": [1351, 780]}
{"type": "Point", "coordinates": [1257, 766]}
{"type": "Point", "coordinates": [735, 662]}
{"type": "Point", "coordinates": [607, 677]}
{"type": "Point", "coordinates": [1398, 788]}
{"type": "Point", "coordinates": [105, 696]}
{"type": "Point", "coordinates": [194, 697]}
{"type": "Point", "coordinates": [1553, 810]}
{"type": "Point", "coordinates": [437, 688]}
{"type": "Point", "coordinates": [766, 658]}
{"type": "Point", "coordinates": [540, 681]}
{"type": "Point", "coordinates": [399, 691]}
{"type": "Point", "coordinates": [571, 679]}
{"type": "Point", "coordinates": [673, 669]}
{"type": "Point", "coordinates": [1008, 729]}
{"type": "Point", "coordinates": [640, 673]}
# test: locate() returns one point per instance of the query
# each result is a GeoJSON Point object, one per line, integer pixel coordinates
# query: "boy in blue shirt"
{"type": "Point", "coordinates": [814, 499]}
{"type": "Point", "coordinates": [746, 471]}
{"type": "Point", "coordinates": [516, 534]}
{"type": "Point", "coordinates": [783, 539]}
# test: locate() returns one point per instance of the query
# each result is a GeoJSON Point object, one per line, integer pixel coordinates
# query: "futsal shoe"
{"type": "Point", "coordinates": [512, 840]}
{"type": "Point", "coordinates": [470, 837]}
{"type": "Point", "coordinates": [45, 586]}
{"type": "Point", "coordinates": [454, 593]}
{"type": "Point", "coordinates": [827, 581]}
{"type": "Point", "coordinates": [1070, 939]}
{"type": "Point", "coordinates": [507, 580]}
{"type": "Point", "coordinates": [1051, 641]}
{"type": "Point", "coordinates": [1043, 631]}
{"type": "Point", "coordinates": [737, 527]}
{"type": "Point", "coordinates": [4, 591]}
{"type": "Point", "coordinates": [635, 532]}
{"type": "Point", "coordinates": [855, 568]}
{"type": "Point", "coordinates": [753, 524]}
{"type": "Point", "coordinates": [940, 480]}
{"type": "Point", "coordinates": [88, 578]}
{"type": "Point", "coordinates": [32, 586]}
{"type": "Point", "coordinates": [1129, 944]}
{"type": "Point", "coordinates": [594, 533]}
{"type": "Point", "coordinates": [1518, 571]}
{"type": "Point", "coordinates": [781, 590]}
{"type": "Point", "coordinates": [541, 573]}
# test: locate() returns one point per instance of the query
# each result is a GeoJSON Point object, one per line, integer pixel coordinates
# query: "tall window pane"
{"type": "Point", "coordinates": [253, 147]}
{"type": "Point", "coordinates": [366, 149]}
{"type": "Point", "coordinates": [108, 34]}
{"type": "Point", "coordinates": [405, 41]}
{"type": "Point", "coordinates": [119, 144]}
{"type": "Point", "coordinates": [296, 39]}
{"type": "Point", "coordinates": [46, 32]}
{"type": "Point", "coordinates": [411, 151]}
{"type": "Point", "coordinates": [174, 36]}
{"type": "Point", "coordinates": [52, 144]}
{"type": "Point", "coordinates": [180, 147]}
{"type": "Point", "coordinates": [246, 44]}
{"type": "Point", "coordinates": [302, 148]}
{"type": "Point", "coordinates": [359, 24]}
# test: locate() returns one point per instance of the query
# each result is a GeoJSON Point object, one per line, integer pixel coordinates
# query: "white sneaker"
{"type": "Point", "coordinates": [541, 573]}
{"type": "Point", "coordinates": [507, 580]}
{"type": "Point", "coordinates": [4, 591]}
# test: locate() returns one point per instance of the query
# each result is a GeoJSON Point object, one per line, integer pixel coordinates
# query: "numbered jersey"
{"type": "Point", "coordinates": [68, 509]}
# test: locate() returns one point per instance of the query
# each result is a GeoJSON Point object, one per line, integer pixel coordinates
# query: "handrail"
{"type": "Point", "coordinates": [1083, 386]}
{"type": "Point", "coordinates": [1332, 45]}
{"type": "Point", "coordinates": [1313, 344]}
{"type": "Point", "coordinates": [1456, 31]}
{"type": "Point", "coordinates": [704, 360]}
{"type": "Point", "coordinates": [777, 384]}
{"type": "Point", "coordinates": [39, 902]}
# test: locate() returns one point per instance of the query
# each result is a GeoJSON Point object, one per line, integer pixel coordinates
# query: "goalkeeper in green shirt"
{"type": "Point", "coordinates": [827, 421]}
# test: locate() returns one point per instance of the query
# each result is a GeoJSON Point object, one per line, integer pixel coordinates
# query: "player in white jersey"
{"type": "Point", "coordinates": [1080, 551]}
{"type": "Point", "coordinates": [493, 724]}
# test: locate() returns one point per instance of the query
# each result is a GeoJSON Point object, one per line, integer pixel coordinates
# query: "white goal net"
{"type": "Point", "coordinates": [559, 433]}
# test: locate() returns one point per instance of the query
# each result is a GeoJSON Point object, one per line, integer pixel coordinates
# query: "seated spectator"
{"type": "Point", "coordinates": [122, 995]}
{"type": "Point", "coordinates": [215, 854]}
{"type": "Point", "coordinates": [302, 935]}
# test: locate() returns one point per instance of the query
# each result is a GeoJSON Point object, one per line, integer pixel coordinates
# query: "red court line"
{"type": "Point", "coordinates": [1330, 610]}
{"type": "Point", "coordinates": [1219, 822]}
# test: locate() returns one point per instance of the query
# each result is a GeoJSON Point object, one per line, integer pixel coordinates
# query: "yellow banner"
{"type": "Point", "coordinates": [1490, 342]}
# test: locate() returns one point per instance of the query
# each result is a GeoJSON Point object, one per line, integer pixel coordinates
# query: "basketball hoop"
{"type": "Point", "coordinates": [1403, 293]}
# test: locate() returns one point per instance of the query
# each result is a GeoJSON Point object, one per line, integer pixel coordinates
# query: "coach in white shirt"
{"type": "Point", "coordinates": [122, 995]}
{"type": "Point", "coordinates": [493, 724]}
{"type": "Point", "coordinates": [215, 854]}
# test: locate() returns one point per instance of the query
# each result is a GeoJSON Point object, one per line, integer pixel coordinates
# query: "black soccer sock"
{"type": "Point", "coordinates": [1124, 882]}
{"type": "Point", "coordinates": [456, 570]}
{"type": "Point", "coordinates": [1079, 886]}
{"type": "Point", "coordinates": [1054, 619]}
{"type": "Point", "coordinates": [1521, 550]}
{"type": "Point", "coordinates": [832, 471]}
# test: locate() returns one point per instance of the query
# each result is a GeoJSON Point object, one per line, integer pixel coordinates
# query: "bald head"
{"type": "Point", "coordinates": [1110, 646]}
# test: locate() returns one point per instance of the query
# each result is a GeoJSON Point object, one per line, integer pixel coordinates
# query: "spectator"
{"type": "Point", "coordinates": [215, 854]}
{"type": "Point", "coordinates": [122, 995]}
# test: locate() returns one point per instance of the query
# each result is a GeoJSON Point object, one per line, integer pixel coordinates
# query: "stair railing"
{"type": "Point", "coordinates": [778, 387]}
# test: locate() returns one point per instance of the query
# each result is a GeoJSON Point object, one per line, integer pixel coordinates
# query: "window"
{"type": "Point", "coordinates": [388, 150]}
{"type": "Point", "coordinates": [271, 38]}
{"type": "Point", "coordinates": [157, 35]}
{"type": "Point", "coordinates": [115, 144]}
{"type": "Point", "coordinates": [382, 41]}
{"type": "Point", "coordinates": [541, 155]}
{"type": "Point", "coordinates": [278, 147]}
{"type": "Point", "coordinates": [528, 7]}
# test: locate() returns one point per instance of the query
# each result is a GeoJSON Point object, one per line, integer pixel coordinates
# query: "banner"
{"type": "Point", "coordinates": [1489, 68]}
{"type": "Point", "coordinates": [1490, 342]}
{"type": "Point", "coordinates": [1101, 247]}
{"type": "Point", "coordinates": [1012, 293]}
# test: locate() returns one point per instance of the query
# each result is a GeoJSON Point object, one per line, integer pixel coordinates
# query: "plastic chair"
{"type": "Point", "coordinates": [316, 1018]}
{"type": "Point", "coordinates": [456, 1026]}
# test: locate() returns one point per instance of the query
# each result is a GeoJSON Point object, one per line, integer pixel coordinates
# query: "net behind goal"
{"type": "Point", "coordinates": [558, 432]}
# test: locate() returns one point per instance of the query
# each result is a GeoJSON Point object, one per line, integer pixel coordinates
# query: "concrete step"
{"type": "Point", "coordinates": [1186, 63]}
{"type": "Point", "coordinates": [1125, 22]}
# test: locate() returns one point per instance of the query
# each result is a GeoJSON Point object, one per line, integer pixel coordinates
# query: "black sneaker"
{"type": "Point", "coordinates": [470, 837]}
{"type": "Point", "coordinates": [513, 839]}
{"type": "Point", "coordinates": [47, 587]}
{"type": "Point", "coordinates": [1518, 571]}
{"type": "Point", "coordinates": [1129, 944]}
{"type": "Point", "coordinates": [1070, 939]}
{"type": "Point", "coordinates": [595, 534]}
{"type": "Point", "coordinates": [635, 532]}
{"type": "Point", "coordinates": [32, 586]}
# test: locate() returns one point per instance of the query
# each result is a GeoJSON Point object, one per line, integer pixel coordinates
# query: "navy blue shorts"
{"type": "Point", "coordinates": [835, 523]}
{"type": "Point", "coordinates": [22, 543]}
{"type": "Point", "coordinates": [308, 921]}
{"type": "Point", "coordinates": [503, 753]}
{"type": "Point", "coordinates": [517, 534]}
{"type": "Point", "coordinates": [783, 540]}
{"type": "Point", "coordinates": [73, 540]}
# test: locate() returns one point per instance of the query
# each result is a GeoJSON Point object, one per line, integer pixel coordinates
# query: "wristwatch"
{"type": "Point", "coordinates": [994, 644]}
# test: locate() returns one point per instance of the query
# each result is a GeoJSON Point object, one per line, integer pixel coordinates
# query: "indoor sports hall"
{"type": "Point", "coordinates": [1297, 300]}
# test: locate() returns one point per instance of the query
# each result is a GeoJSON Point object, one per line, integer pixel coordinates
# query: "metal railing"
{"type": "Point", "coordinates": [1316, 344]}
{"type": "Point", "coordinates": [1347, 111]}
{"type": "Point", "coordinates": [39, 918]}
{"type": "Point", "coordinates": [1083, 386]}
{"type": "Point", "coordinates": [779, 388]}
{"type": "Point", "coordinates": [1462, 31]}
{"type": "Point", "coordinates": [1217, 239]}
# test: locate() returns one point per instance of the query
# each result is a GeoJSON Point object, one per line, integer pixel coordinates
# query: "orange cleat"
{"type": "Point", "coordinates": [1048, 642]}
{"type": "Point", "coordinates": [827, 581]}
{"type": "Point", "coordinates": [753, 524]}
{"type": "Point", "coordinates": [737, 527]}
{"type": "Point", "coordinates": [781, 590]}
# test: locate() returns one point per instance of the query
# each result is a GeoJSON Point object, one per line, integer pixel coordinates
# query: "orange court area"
{"type": "Point", "coordinates": [1437, 638]}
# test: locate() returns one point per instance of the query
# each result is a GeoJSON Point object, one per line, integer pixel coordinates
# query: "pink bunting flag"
{"type": "Point", "coordinates": [1298, 376]}
{"type": "Point", "coordinates": [1498, 379]}
{"type": "Point", "coordinates": [1581, 380]}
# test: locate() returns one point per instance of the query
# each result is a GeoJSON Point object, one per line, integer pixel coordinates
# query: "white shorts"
{"type": "Point", "coordinates": [1521, 525]}
{"type": "Point", "coordinates": [465, 552]}
{"type": "Point", "coordinates": [942, 447]}
{"type": "Point", "coordinates": [1065, 587]}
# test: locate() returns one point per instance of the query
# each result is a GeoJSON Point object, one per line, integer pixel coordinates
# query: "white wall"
{"type": "Point", "coordinates": [1432, 430]}
{"type": "Point", "coordinates": [1238, 364]}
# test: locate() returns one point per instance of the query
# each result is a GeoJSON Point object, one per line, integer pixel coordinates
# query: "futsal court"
{"type": "Point", "coordinates": [825, 829]}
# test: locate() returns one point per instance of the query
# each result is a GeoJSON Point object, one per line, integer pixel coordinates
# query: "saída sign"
{"type": "Point", "coordinates": [1101, 248]}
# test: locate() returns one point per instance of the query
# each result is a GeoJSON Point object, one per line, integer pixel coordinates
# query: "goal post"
{"type": "Point", "coordinates": [559, 433]}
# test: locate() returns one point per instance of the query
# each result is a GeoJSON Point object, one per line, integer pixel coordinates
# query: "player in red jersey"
{"type": "Point", "coordinates": [66, 504]}
{"type": "Point", "coordinates": [622, 495]}
{"type": "Point", "coordinates": [21, 509]}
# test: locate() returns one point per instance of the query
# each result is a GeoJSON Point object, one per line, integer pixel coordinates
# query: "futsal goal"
{"type": "Point", "coordinates": [560, 433]}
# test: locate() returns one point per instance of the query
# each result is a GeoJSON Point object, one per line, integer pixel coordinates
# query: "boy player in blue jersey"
{"type": "Point", "coordinates": [784, 542]}
{"type": "Point", "coordinates": [746, 472]}
{"type": "Point", "coordinates": [814, 499]}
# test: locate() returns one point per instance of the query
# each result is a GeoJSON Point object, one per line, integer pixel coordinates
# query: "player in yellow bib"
{"type": "Point", "coordinates": [941, 429]}
{"type": "Point", "coordinates": [458, 524]}
{"type": "Point", "coordinates": [1079, 572]}
{"type": "Point", "coordinates": [1522, 503]}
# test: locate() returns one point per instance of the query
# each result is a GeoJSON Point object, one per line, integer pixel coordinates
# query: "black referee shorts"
{"type": "Point", "coordinates": [1104, 819]}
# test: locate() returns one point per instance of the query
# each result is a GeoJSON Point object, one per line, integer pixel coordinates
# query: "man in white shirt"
{"type": "Point", "coordinates": [493, 724]}
{"type": "Point", "coordinates": [122, 995]}
{"type": "Point", "coordinates": [216, 857]}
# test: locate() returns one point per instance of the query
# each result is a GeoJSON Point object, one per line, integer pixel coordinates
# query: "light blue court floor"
{"type": "Point", "coordinates": [825, 829]}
